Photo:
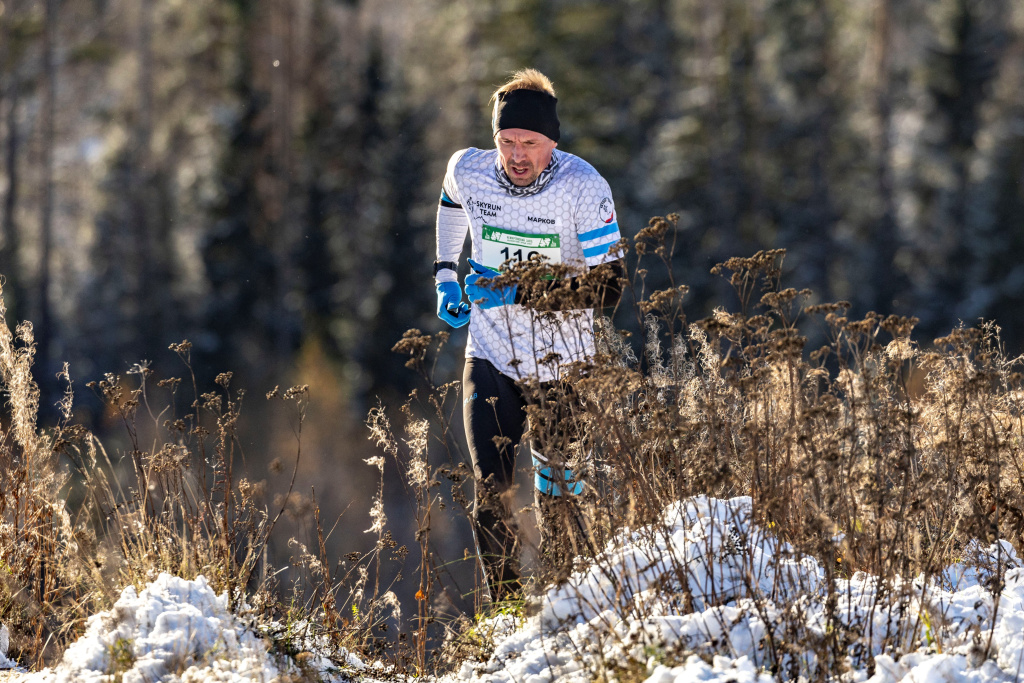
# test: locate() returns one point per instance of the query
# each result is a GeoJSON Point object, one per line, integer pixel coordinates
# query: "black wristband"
{"type": "Point", "coordinates": [441, 265]}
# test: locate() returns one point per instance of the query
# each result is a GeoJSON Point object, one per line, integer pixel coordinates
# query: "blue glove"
{"type": "Point", "coordinates": [450, 306]}
{"type": "Point", "coordinates": [480, 292]}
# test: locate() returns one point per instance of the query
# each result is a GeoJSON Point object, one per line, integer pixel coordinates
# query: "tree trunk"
{"type": "Point", "coordinates": [282, 87]}
{"type": "Point", "coordinates": [9, 251]}
{"type": "Point", "coordinates": [43, 313]}
{"type": "Point", "coordinates": [150, 281]}
{"type": "Point", "coordinates": [884, 240]}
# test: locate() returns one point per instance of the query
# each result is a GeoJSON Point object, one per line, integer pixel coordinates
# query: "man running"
{"type": "Point", "coordinates": [524, 200]}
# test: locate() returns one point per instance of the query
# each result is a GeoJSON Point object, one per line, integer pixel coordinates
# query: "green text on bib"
{"type": "Point", "coordinates": [500, 245]}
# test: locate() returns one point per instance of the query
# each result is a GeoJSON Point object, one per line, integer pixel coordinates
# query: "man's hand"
{"type": "Point", "coordinates": [450, 306]}
{"type": "Point", "coordinates": [482, 293]}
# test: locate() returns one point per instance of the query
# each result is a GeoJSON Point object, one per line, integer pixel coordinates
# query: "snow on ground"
{"type": "Point", "coordinates": [704, 596]}
{"type": "Point", "coordinates": [5, 640]}
{"type": "Point", "coordinates": [174, 630]}
{"type": "Point", "coordinates": [630, 612]}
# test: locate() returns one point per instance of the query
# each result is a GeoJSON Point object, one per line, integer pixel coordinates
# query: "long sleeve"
{"type": "Point", "coordinates": [452, 223]}
{"type": "Point", "coordinates": [596, 224]}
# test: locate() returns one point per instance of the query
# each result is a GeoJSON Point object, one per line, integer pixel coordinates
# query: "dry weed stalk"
{"type": "Point", "coordinates": [867, 453]}
{"type": "Point", "coordinates": [47, 580]}
{"type": "Point", "coordinates": [182, 505]}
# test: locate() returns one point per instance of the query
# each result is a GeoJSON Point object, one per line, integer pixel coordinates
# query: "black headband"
{"type": "Point", "coordinates": [527, 109]}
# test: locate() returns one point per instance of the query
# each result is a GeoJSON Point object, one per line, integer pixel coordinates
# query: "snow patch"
{"type": "Point", "coordinates": [5, 644]}
{"type": "Point", "coordinates": [177, 631]}
{"type": "Point", "coordinates": [704, 595]}
{"type": "Point", "coordinates": [174, 630]}
{"type": "Point", "coordinates": [708, 587]}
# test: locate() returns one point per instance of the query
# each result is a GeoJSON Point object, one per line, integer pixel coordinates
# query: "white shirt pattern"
{"type": "Point", "coordinates": [575, 207]}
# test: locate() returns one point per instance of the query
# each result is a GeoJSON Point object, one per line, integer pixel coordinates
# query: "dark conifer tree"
{"type": "Point", "coordinates": [399, 295]}
{"type": "Point", "coordinates": [240, 317]}
{"type": "Point", "coordinates": [962, 67]}
{"type": "Point", "coordinates": [365, 185]}
{"type": "Point", "coordinates": [251, 322]}
{"type": "Point", "coordinates": [1000, 251]}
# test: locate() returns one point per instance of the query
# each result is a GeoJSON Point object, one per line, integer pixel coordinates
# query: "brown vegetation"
{"type": "Point", "coordinates": [868, 453]}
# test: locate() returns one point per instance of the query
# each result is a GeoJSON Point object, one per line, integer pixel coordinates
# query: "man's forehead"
{"type": "Point", "coordinates": [521, 135]}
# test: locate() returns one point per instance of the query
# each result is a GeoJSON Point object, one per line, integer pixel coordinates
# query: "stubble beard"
{"type": "Point", "coordinates": [521, 180]}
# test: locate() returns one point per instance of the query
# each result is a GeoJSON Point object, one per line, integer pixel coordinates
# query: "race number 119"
{"type": "Point", "coordinates": [500, 245]}
{"type": "Point", "coordinates": [518, 254]}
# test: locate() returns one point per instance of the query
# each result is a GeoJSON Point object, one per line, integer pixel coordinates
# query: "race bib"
{"type": "Point", "coordinates": [500, 245]}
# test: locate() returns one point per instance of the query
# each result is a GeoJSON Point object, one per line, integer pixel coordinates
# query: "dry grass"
{"type": "Point", "coordinates": [78, 524]}
{"type": "Point", "coordinates": [869, 453]}
{"type": "Point", "coordinates": [48, 585]}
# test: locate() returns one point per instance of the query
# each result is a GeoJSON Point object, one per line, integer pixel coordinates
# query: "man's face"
{"type": "Point", "coordinates": [523, 153]}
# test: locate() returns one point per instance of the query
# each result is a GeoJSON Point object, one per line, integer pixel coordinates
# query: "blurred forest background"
{"type": "Point", "coordinates": [260, 177]}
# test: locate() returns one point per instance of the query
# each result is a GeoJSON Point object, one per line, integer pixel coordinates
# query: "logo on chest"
{"type": "Point", "coordinates": [481, 209]}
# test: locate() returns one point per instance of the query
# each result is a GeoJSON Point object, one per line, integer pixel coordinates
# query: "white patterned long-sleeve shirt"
{"type": "Point", "coordinates": [568, 217]}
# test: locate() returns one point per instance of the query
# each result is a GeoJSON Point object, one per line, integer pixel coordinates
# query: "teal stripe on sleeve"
{"type": "Point", "coordinates": [447, 201]}
{"type": "Point", "coordinates": [599, 250]}
{"type": "Point", "coordinates": [602, 231]}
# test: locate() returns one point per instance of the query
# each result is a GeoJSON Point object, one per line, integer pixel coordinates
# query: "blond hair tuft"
{"type": "Point", "coordinates": [525, 79]}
